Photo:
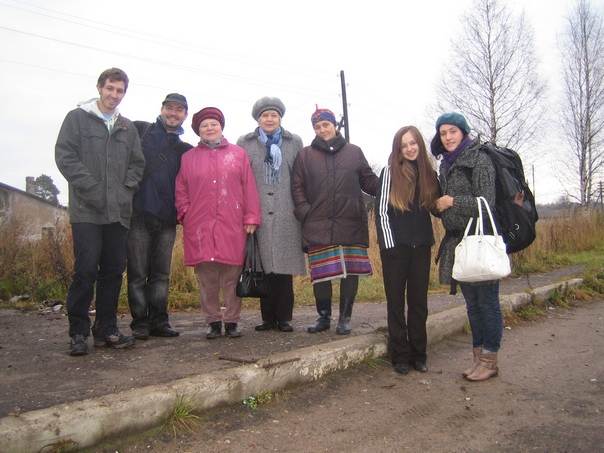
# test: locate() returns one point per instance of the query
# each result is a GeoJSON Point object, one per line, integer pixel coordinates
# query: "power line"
{"type": "Point", "coordinates": [149, 37]}
{"type": "Point", "coordinates": [162, 63]}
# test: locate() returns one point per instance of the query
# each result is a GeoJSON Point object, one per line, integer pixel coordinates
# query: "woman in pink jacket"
{"type": "Point", "coordinates": [218, 205]}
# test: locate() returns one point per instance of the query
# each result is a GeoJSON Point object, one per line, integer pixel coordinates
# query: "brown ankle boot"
{"type": "Point", "coordinates": [476, 353]}
{"type": "Point", "coordinates": [487, 367]}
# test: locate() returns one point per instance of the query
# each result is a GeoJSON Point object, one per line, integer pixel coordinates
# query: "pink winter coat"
{"type": "Point", "coordinates": [215, 197]}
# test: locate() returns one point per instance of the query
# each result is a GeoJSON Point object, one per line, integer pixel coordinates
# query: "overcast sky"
{"type": "Point", "coordinates": [229, 53]}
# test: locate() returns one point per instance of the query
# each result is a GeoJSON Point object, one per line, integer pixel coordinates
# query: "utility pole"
{"type": "Point", "coordinates": [344, 121]}
{"type": "Point", "coordinates": [601, 197]}
{"type": "Point", "coordinates": [534, 191]}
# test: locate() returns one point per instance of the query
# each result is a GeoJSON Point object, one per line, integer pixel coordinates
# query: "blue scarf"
{"type": "Point", "coordinates": [450, 157]}
{"type": "Point", "coordinates": [273, 157]}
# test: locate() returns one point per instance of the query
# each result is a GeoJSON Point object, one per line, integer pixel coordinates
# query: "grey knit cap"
{"type": "Point", "coordinates": [267, 103]}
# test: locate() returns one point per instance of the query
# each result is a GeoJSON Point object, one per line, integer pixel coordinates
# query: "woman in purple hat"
{"type": "Point", "coordinates": [328, 182]}
{"type": "Point", "coordinates": [218, 205]}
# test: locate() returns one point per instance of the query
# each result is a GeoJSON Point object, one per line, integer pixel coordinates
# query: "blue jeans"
{"type": "Point", "coordinates": [150, 244]}
{"type": "Point", "coordinates": [100, 258]}
{"type": "Point", "coordinates": [484, 314]}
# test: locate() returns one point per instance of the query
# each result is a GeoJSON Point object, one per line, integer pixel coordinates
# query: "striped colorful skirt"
{"type": "Point", "coordinates": [337, 261]}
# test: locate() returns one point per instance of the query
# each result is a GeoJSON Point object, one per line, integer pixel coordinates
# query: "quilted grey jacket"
{"type": "Point", "coordinates": [456, 182]}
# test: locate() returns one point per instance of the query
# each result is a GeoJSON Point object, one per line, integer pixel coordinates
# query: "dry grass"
{"type": "Point", "coordinates": [43, 269]}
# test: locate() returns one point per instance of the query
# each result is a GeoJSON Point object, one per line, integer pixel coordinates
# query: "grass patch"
{"type": "Point", "coordinates": [181, 419]}
{"type": "Point", "coordinates": [254, 401]}
{"type": "Point", "coordinates": [375, 362]}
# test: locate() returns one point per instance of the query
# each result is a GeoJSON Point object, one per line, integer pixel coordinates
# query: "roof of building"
{"type": "Point", "coordinates": [31, 195]}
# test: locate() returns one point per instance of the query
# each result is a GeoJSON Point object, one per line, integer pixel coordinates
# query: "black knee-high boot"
{"type": "Point", "coordinates": [324, 320]}
{"type": "Point", "coordinates": [343, 327]}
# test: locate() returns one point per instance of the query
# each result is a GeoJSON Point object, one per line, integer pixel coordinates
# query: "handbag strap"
{"type": "Point", "coordinates": [479, 229]}
{"type": "Point", "coordinates": [486, 204]}
{"type": "Point", "coordinates": [249, 253]}
{"type": "Point", "coordinates": [253, 252]}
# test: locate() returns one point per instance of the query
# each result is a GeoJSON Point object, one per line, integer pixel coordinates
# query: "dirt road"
{"type": "Point", "coordinates": [37, 372]}
{"type": "Point", "coordinates": [549, 397]}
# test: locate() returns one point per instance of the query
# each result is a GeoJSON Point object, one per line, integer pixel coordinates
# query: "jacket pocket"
{"type": "Point", "coordinates": [125, 196]}
{"type": "Point", "coordinates": [92, 198]}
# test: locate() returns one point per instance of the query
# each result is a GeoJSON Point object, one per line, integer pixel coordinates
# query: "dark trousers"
{"type": "Point", "coordinates": [279, 304]}
{"type": "Point", "coordinates": [150, 244]}
{"type": "Point", "coordinates": [100, 258]}
{"type": "Point", "coordinates": [406, 269]}
{"type": "Point", "coordinates": [322, 292]}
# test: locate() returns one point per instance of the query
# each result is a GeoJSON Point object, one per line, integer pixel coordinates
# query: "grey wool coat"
{"type": "Point", "coordinates": [279, 236]}
{"type": "Point", "coordinates": [456, 182]}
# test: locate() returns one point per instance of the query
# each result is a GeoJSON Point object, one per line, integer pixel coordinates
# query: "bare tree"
{"type": "Point", "coordinates": [583, 104]}
{"type": "Point", "coordinates": [492, 77]}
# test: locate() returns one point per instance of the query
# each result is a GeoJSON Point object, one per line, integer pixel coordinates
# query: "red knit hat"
{"type": "Point", "coordinates": [204, 114]}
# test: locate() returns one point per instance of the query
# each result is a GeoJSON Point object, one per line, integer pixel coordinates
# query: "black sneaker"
{"type": "Point", "coordinates": [285, 326]}
{"type": "Point", "coordinates": [420, 365]}
{"type": "Point", "coordinates": [231, 330]}
{"type": "Point", "coordinates": [401, 368]}
{"type": "Point", "coordinates": [164, 331]}
{"type": "Point", "coordinates": [140, 333]}
{"type": "Point", "coordinates": [266, 325]}
{"type": "Point", "coordinates": [115, 340]}
{"type": "Point", "coordinates": [78, 345]}
{"type": "Point", "coordinates": [214, 330]}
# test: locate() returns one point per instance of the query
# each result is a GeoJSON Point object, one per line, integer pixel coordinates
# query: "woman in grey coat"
{"type": "Point", "coordinates": [272, 151]}
{"type": "Point", "coordinates": [466, 173]}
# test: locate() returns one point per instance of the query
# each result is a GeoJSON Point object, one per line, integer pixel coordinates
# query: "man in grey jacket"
{"type": "Point", "coordinates": [98, 152]}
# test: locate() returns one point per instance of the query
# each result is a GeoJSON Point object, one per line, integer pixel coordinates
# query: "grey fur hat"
{"type": "Point", "coordinates": [267, 103]}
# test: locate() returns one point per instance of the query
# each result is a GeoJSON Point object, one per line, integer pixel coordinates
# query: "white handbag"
{"type": "Point", "coordinates": [481, 257]}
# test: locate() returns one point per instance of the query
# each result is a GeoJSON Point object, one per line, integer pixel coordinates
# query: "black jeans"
{"type": "Point", "coordinates": [406, 269]}
{"type": "Point", "coordinates": [279, 304]}
{"type": "Point", "coordinates": [150, 244]}
{"type": "Point", "coordinates": [100, 258]}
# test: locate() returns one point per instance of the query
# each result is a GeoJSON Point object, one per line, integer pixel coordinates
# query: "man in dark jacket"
{"type": "Point", "coordinates": [98, 152]}
{"type": "Point", "coordinates": [153, 230]}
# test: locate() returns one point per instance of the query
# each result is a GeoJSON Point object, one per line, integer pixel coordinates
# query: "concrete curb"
{"type": "Point", "coordinates": [85, 423]}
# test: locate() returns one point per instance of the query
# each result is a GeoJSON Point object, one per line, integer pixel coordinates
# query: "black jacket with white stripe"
{"type": "Point", "coordinates": [394, 227]}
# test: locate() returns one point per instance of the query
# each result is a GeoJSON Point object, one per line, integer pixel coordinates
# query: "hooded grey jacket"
{"type": "Point", "coordinates": [455, 182]}
{"type": "Point", "coordinates": [103, 168]}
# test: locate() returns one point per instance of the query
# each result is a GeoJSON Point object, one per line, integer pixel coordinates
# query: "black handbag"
{"type": "Point", "coordinates": [252, 281]}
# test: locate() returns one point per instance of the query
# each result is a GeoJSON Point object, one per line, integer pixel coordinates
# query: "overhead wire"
{"type": "Point", "coordinates": [155, 39]}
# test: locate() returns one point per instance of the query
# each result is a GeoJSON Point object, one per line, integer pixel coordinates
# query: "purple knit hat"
{"type": "Point", "coordinates": [323, 115]}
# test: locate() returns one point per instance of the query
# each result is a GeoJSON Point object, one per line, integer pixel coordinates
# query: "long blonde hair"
{"type": "Point", "coordinates": [406, 177]}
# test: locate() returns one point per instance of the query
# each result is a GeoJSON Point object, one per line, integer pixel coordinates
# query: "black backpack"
{"type": "Point", "coordinates": [516, 218]}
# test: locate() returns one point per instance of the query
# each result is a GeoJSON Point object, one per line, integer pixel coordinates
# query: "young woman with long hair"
{"type": "Point", "coordinates": [407, 192]}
